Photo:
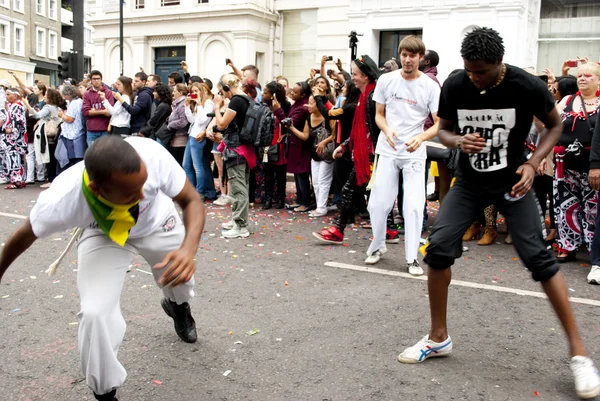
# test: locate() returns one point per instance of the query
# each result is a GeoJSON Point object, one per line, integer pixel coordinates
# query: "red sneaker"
{"type": "Point", "coordinates": [392, 236]}
{"type": "Point", "coordinates": [331, 235]}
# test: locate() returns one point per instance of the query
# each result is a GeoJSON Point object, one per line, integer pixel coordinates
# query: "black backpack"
{"type": "Point", "coordinates": [259, 124]}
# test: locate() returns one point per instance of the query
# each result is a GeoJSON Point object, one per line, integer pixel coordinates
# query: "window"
{"type": "Point", "coordinates": [52, 45]}
{"type": "Point", "coordinates": [18, 6]}
{"type": "Point", "coordinates": [5, 3]}
{"type": "Point", "coordinates": [166, 3]}
{"type": "Point", "coordinates": [52, 9]}
{"type": "Point", "coordinates": [40, 42]}
{"type": "Point", "coordinates": [140, 4]}
{"type": "Point", "coordinates": [19, 48]}
{"type": "Point", "coordinates": [39, 6]}
{"type": "Point", "coordinates": [389, 42]}
{"type": "Point", "coordinates": [87, 35]}
{"type": "Point", "coordinates": [4, 37]}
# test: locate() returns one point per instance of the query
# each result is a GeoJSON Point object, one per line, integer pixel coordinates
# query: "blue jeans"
{"type": "Point", "coordinates": [196, 163]}
{"type": "Point", "coordinates": [93, 135]}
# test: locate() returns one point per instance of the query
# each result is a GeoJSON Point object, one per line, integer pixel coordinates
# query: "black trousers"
{"type": "Point", "coordinates": [351, 195]}
{"type": "Point", "coordinates": [178, 152]}
{"type": "Point", "coordinates": [303, 188]}
{"type": "Point", "coordinates": [275, 175]}
{"type": "Point", "coordinates": [542, 185]}
{"type": "Point", "coordinates": [460, 208]}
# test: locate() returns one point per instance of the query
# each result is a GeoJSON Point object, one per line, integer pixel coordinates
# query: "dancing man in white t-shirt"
{"type": "Point", "coordinates": [404, 100]}
{"type": "Point", "coordinates": [121, 195]}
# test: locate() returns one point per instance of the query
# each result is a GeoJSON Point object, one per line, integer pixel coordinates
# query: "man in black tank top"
{"type": "Point", "coordinates": [493, 105]}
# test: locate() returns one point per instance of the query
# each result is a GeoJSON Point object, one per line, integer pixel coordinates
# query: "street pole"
{"type": "Point", "coordinates": [78, 39]}
{"type": "Point", "coordinates": [121, 36]}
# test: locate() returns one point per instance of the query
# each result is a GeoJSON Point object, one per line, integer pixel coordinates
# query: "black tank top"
{"type": "Point", "coordinates": [576, 128]}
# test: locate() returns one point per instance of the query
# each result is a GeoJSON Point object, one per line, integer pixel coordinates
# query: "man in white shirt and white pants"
{"type": "Point", "coordinates": [121, 195]}
{"type": "Point", "coordinates": [404, 99]}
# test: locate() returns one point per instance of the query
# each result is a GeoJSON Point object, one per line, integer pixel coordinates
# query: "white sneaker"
{"type": "Point", "coordinates": [228, 225]}
{"type": "Point", "coordinates": [415, 269]}
{"type": "Point", "coordinates": [375, 257]}
{"type": "Point", "coordinates": [223, 200]}
{"type": "Point", "coordinates": [317, 214]}
{"type": "Point", "coordinates": [594, 276]}
{"type": "Point", "coordinates": [237, 232]}
{"type": "Point", "coordinates": [424, 349]}
{"type": "Point", "coordinates": [587, 379]}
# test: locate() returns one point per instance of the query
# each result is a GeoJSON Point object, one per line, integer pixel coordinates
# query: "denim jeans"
{"type": "Point", "coordinates": [93, 135]}
{"type": "Point", "coordinates": [196, 164]}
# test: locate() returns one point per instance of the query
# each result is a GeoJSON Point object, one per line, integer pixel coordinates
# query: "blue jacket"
{"type": "Point", "coordinates": [141, 109]}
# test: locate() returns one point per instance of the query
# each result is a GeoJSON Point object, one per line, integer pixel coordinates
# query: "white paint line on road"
{"type": "Point", "coordinates": [459, 283]}
{"type": "Point", "coordinates": [14, 216]}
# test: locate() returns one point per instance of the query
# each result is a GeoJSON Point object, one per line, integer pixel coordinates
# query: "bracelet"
{"type": "Point", "coordinates": [531, 165]}
{"type": "Point", "coordinates": [459, 144]}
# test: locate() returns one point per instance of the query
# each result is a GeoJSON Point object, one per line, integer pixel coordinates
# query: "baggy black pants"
{"type": "Point", "coordinates": [523, 219]}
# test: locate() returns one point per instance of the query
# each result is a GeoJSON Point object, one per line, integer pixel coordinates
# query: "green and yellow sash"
{"type": "Point", "coordinates": [114, 220]}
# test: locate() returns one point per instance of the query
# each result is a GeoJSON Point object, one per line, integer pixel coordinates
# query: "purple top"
{"type": "Point", "coordinates": [299, 151]}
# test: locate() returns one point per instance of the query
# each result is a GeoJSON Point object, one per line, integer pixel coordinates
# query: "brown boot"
{"type": "Point", "coordinates": [471, 232]}
{"type": "Point", "coordinates": [489, 236]}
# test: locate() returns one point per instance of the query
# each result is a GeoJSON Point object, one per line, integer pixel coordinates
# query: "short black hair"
{"type": "Point", "coordinates": [208, 83]}
{"type": "Point", "coordinates": [482, 44]}
{"type": "Point", "coordinates": [196, 78]}
{"type": "Point", "coordinates": [110, 154]}
{"type": "Point", "coordinates": [176, 77]}
{"type": "Point", "coordinates": [142, 76]}
{"type": "Point", "coordinates": [433, 57]}
{"type": "Point", "coordinates": [566, 85]}
{"type": "Point", "coordinates": [95, 72]}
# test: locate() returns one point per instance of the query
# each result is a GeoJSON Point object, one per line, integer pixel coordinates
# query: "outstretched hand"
{"type": "Point", "coordinates": [180, 268]}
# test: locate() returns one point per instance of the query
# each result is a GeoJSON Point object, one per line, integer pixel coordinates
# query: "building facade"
{"type": "Point", "coordinates": [289, 37]}
{"type": "Point", "coordinates": [30, 39]}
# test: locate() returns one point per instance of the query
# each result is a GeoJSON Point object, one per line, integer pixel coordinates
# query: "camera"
{"type": "Point", "coordinates": [194, 96]}
{"type": "Point", "coordinates": [330, 58]}
{"type": "Point", "coordinates": [286, 123]}
{"type": "Point", "coordinates": [329, 72]}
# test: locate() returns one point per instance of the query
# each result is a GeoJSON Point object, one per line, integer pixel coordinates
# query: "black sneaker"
{"type": "Point", "coordinates": [185, 326]}
{"type": "Point", "coordinates": [106, 397]}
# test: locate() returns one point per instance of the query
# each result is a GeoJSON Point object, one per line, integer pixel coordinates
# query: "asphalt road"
{"type": "Point", "coordinates": [324, 333]}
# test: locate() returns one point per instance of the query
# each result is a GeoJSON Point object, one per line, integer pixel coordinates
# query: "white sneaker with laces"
{"type": "Point", "coordinates": [237, 232]}
{"type": "Point", "coordinates": [587, 379]}
{"type": "Point", "coordinates": [594, 276]}
{"type": "Point", "coordinates": [415, 269]}
{"type": "Point", "coordinates": [424, 349]}
{"type": "Point", "coordinates": [375, 257]}
{"type": "Point", "coordinates": [223, 200]}
{"type": "Point", "coordinates": [228, 225]}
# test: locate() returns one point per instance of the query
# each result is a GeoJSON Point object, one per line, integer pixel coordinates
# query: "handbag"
{"type": "Point", "coordinates": [51, 126]}
{"type": "Point", "coordinates": [322, 134]}
{"type": "Point", "coordinates": [271, 154]}
{"type": "Point", "coordinates": [438, 154]}
{"type": "Point", "coordinates": [164, 133]}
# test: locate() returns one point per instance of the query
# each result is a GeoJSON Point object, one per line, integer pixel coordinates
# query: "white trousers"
{"type": "Point", "coordinates": [101, 274]}
{"type": "Point", "coordinates": [35, 171]}
{"type": "Point", "coordinates": [322, 174]}
{"type": "Point", "coordinates": [384, 194]}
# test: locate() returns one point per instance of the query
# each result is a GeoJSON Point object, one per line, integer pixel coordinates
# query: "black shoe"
{"type": "Point", "coordinates": [279, 205]}
{"type": "Point", "coordinates": [185, 326]}
{"type": "Point", "coordinates": [570, 257]}
{"type": "Point", "coordinates": [434, 197]}
{"type": "Point", "coordinates": [107, 397]}
{"type": "Point", "coordinates": [267, 205]}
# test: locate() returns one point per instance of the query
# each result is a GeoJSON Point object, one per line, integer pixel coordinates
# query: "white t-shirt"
{"type": "Point", "coordinates": [63, 205]}
{"type": "Point", "coordinates": [407, 105]}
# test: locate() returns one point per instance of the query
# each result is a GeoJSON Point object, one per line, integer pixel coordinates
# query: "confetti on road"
{"type": "Point", "coordinates": [158, 382]}
{"type": "Point", "coordinates": [143, 271]}
{"type": "Point", "coordinates": [231, 333]}
{"type": "Point", "coordinates": [286, 284]}
{"type": "Point", "coordinates": [33, 277]}
{"type": "Point", "coordinates": [5, 296]}
{"type": "Point", "coordinates": [73, 324]}
{"type": "Point", "coordinates": [226, 373]}
{"type": "Point", "coordinates": [237, 342]}
{"type": "Point", "coordinates": [16, 310]}
{"type": "Point", "coordinates": [253, 332]}
{"type": "Point", "coordinates": [58, 297]}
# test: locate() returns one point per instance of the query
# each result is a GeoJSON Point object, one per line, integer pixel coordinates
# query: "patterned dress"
{"type": "Point", "coordinates": [13, 144]}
